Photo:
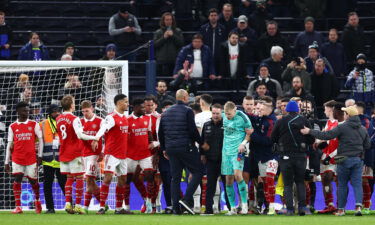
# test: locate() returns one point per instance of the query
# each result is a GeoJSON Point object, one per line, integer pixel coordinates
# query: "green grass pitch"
{"type": "Point", "coordinates": [140, 219]}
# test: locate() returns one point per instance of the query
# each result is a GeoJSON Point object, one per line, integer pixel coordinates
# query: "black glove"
{"type": "Point", "coordinates": [326, 161]}
{"type": "Point", "coordinates": [322, 145]}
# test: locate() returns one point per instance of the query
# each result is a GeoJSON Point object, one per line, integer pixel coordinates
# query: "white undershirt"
{"type": "Point", "coordinates": [233, 59]}
{"type": "Point", "coordinates": [197, 69]}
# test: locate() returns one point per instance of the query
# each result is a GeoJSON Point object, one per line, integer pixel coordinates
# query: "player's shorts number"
{"type": "Point", "coordinates": [63, 131]}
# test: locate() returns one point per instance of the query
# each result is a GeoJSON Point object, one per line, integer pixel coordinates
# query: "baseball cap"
{"type": "Point", "coordinates": [242, 19]}
{"type": "Point", "coordinates": [351, 110]}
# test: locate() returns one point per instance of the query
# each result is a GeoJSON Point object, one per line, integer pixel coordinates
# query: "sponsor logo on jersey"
{"type": "Point", "coordinates": [30, 128]}
{"type": "Point", "coordinates": [94, 126]}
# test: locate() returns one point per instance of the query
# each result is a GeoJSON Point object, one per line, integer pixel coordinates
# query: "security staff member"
{"type": "Point", "coordinates": [212, 136]}
{"type": "Point", "coordinates": [292, 147]}
{"type": "Point", "coordinates": [51, 164]}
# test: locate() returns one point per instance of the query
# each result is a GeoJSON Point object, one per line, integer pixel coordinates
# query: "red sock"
{"type": "Point", "coordinates": [270, 188]}
{"type": "Point", "coordinates": [366, 195]}
{"type": "Point", "coordinates": [104, 194]}
{"type": "Point", "coordinates": [308, 193]}
{"type": "Point", "coordinates": [204, 190]}
{"type": "Point", "coordinates": [119, 196]}
{"type": "Point", "coordinates": [88, 197]}
{"type": "Point", "coordinates": [127, 194]}
{"type": "Point", "coordinates": [35, 188]}
{"type": "Point", "coordinates": [96, 194]}
{"type": "Point", "coordinates": [140, 187]}
{"type": "Point", "coordinates": [17, 193]}
{"type": "Point", "coordinates": [68, 189]}
{"type": "Point", "coordinates": [79, 190]}
{"type": "Point", "coordinates": [328, 197]}
{"type": "Point", "coordinates": [251, 192]}
{"type": "Point", "coordinates": [150, 189]}
{"type": "Point", "coordinates": [156, 193]}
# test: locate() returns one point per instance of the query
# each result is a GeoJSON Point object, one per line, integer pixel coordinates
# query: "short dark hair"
{"type": "Point", "coordinates": [197, 36]}
{"type": "Point", "coordinates": [137, 102]}
{"type": "Point", "coordinates": [67, 101]}
{"type": "Point", "coordinates": [285, 99]}
{"type": "Point", "coordinates": [32, 34]}
{"type": "Point", "coordinates": [233, 33]}
{"type": "Point", "coordinates": [167, 103]}
{"type": "Point", "coordinates": [269, 22]}
{"type": "Point", "coordinates": [267, 99]}
{"type": "Point", "coordinates": [217, 106]}
{"type": "Point", "coordinates": [162, 81]}
{"type": "Point", "coordinates": [150, 98]}
{"type": "Point", "coordinates": [195, 107]}
{"type": "Point", "coordinates": [207, 98]}
{"type": "Point", "coordinates": [119, 97]}
{"type": "Point", "coordinates": [330, 104]}
{"type": "Point", "coordinates": [21, 105]}
{"type": "Point", "coordinates": [248, 97]}
{"type": "Point", "coordinates": [352, 14]}
{"type": "Point", "coordinates": [260, 84]}
{"type": "Point", "coordinates": [213, 10]}
{"type": "Point", "coordinates": [361, 105]}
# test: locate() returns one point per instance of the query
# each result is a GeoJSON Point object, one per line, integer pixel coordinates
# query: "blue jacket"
{"type": "Point", "coordinates": [186, 53]}
{"type": "Point", "coordinates": [26, 52]}
{"type": "Point", "coordinates": [177, 130]}
{"type": "Point", "coordinates": [335, 54]}
{"type": "Point", "coordinates": [261, 142]}
{"type": "Point", "coordinates": [362, 87]}
{"type": "Point", "coordinates": [368, 157]}
{"type": "Point", "coordinates": [208, 37]}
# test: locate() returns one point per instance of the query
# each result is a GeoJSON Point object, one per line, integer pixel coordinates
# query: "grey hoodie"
{"type": "Point", "coordinates": [352, 136]}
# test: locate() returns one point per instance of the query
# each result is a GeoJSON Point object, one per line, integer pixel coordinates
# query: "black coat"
{"type": "Point", "coordinates": [354, 41]}
{"type": "Point", "coordinates": [266, 42]}
{"type": "Point", "coordinates": [224, 62]}
{"type": "Point", "coordinates": [213, 135]}
{"type": "Point", "coordinates": [286, 133]}
{"type": "Point", "coordinates": [275, 69]}
{"type": "Point", "coordinates": [323, 87]}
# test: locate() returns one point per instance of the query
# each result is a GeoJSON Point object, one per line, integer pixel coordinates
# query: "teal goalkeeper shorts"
{"type": "Point", "coordinates": [229, 163]}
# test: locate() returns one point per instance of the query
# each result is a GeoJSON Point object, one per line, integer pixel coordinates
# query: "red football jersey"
{"type": "Point", "coordinates": [91, 127]}
{"type": "Point", "coordinates": [116, 139]}
{"type": "Point", "coordinates": [154, 117]}
{"type": "Point", "coordinates": [334, 143]}
{"type": "Point", "coordinates": [70, 144]}
{"type": "Point", "coordinates": [138, 137]}
{"type": "Point", "coordinates": [24, 152]}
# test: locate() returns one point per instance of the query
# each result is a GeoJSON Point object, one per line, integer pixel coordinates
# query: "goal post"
{"type": "Point", "coordinates": [42, 83]}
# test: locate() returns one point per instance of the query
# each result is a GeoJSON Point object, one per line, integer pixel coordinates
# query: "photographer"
{"type": "Point", "coordinates": [292, 148]}
{"type": "Point", "coordinates": [361, 81]}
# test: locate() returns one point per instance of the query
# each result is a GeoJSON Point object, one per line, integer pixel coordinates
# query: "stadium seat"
{"type": "Point", "coordinates": [54, 38]}
{"type": "Point", "coordinates": [48, 10]}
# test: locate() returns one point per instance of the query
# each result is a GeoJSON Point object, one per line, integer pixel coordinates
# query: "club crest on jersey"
{"type": "Point", "coordinates": [133, 125]}
{"type": "Point", "coordinates": [30, 128]}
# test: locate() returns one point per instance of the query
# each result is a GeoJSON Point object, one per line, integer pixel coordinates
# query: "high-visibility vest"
{"type": "Point", "coordinates": [51, 149]}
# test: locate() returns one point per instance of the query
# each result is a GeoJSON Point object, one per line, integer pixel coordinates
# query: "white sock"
{"type": "Point", "coordinates": [158, 198]}
{"type": "Point", "coordinates": [127, 207]}
{"type": "Point", "coordinates": [217, 195]}
{"type": "Point", "coordinates": [197, 197]}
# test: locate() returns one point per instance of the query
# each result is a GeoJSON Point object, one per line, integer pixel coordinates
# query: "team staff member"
{"type": "Point", "coordinates": [292, 147]}
{"type": "Point", "coordinates": [177, 136]}
{"type": "Point", "coordinates": [212, 136]}
{"type": "Point", "coordinates": [51, 164]}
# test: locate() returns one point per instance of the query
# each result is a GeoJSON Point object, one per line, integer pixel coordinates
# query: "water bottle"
{"type": "Point", "coordinates": [240, 156]}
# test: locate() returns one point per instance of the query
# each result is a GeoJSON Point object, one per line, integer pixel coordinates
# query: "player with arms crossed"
{"type": "Point", "coordinates": [115, 127]}
{"type": "Point", "coordinates": [70, 131]}
{"type": "Point", "coordinates": [237, 131]}
{"type": "Point", "coordinates": [92, 155]}
{"type": "Point", "coordinates": [22, 136]}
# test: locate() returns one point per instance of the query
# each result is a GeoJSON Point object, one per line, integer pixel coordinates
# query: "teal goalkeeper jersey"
{"type": "Point", "coordinates": [234, 132]}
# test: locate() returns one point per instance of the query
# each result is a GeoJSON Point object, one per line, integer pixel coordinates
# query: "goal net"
{"type": "Point", "coordinates": [42, 83]}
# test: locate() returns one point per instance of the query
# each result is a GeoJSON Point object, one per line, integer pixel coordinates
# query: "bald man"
{"type": "Point", "coordinates": [177, 135]}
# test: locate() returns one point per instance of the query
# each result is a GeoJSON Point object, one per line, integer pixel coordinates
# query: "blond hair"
{"type": "Point", "coordinates": [229, 106]}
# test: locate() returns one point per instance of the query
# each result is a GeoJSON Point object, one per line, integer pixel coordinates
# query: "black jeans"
{"type": "Point", "coordinates": [49, 176]}
{"type": "Point", "coordinates": [178, 161]}
{"type": "Point", "coordinates": [213, 172]}
{"type": "Point", "coordinates": [293, 171]}
{"type": "Point", "coordinates": [165, 173]}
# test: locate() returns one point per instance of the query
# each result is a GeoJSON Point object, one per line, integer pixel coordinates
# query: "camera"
{"type": "Point", "coordinates": [297, 60]}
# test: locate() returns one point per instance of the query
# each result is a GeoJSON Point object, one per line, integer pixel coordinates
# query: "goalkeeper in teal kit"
{"type": "Point", "coordinates": [237, 131]}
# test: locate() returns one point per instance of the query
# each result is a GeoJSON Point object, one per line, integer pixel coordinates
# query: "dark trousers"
{"type": "Point", "coordinates": [293, 171]}
{"type": "Point", "coordinates": [213, 173]}
{"type": "Point", "coordinates": [49, 176]}
{"type": "Point", "coordinates": [178, 161]}
{"type": "Point", "coordinates": [165, 173]}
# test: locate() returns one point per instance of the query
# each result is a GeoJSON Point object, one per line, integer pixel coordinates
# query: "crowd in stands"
{"type": "Point", "coordinates": [236, 37]}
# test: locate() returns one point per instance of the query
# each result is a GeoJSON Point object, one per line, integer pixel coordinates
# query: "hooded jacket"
{"type": "Point", "coordinates": [353, 137]}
